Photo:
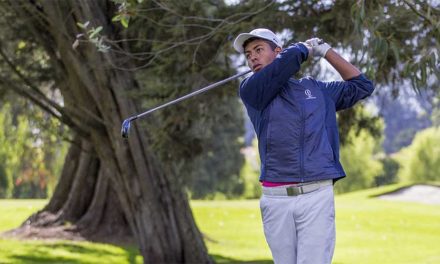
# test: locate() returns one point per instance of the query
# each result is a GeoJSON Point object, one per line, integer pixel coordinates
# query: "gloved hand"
{"type": "Point", "coordinates": [320, 48]}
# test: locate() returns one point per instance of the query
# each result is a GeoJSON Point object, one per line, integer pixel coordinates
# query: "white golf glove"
{"type": "Point", "coordinates": [320, 48]}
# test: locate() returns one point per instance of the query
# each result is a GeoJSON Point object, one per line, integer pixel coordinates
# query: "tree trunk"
{"type": "Point", "coordinates": [83, 197]}
{"type": "Point", "coordinates": [108, 183]}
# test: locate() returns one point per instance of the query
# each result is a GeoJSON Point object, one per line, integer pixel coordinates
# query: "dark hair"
{"type": "Point", "coordinates": [272, 45]}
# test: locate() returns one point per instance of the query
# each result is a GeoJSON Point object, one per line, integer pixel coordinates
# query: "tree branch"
{"type": "Point", "coordinates": [32, 98]}
{"type": "Point", "coordinates": [151, 56]}
{"type": "Point", "coordinates": [65, 119]}
{"type": "Point", "coordinates": [64, 114]}
{"type": "Point", "coordinates": [420, 14]}
{"type": "Point", "coordinates": [29, 83]}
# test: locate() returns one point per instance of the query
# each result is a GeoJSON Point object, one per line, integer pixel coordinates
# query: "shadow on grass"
{"type": "Point", "coordinates": [67, 253]}
{"type": "Point", "coordinates": [225, 260]}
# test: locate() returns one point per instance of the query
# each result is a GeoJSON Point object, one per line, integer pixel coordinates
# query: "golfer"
{"type": "Point", "coordinates": [298, 141]}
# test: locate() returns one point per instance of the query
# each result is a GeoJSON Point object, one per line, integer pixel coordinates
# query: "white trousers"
{"type": "Point", "coordinates": [300, 229]}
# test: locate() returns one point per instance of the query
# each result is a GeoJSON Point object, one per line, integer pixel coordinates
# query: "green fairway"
{"type": "Point", "coordinates": [369, 230]}
{"type": "Point", "coordinates": [14, 212]}
{"type": "Point", "coordinates": [378, 231]}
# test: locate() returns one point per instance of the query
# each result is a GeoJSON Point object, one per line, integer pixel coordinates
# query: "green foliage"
{"type": "Point", "coordinates": [390, 169]}
{"type": "Point", "coordinates": [55, 153]}
{"type": "Point", "coordinates": [361, 144]}
{"type": "Point", "coordinates": [250, 172]}
{"type": "Point", "coordinates": [93, 35]}
{"type": "Point", "coordinates": [249, 177]}
{"type": "Point", "coordinates": [200, 144]}
{"type": "Point", "coordinates": [420, 162]}
{"type": "Point", "coordinates": [400, 51]}
{"type": "Point", "coordinates": [13, 141]}
{"type": "Point", "coordinates": [357, 119]}
{"type": "Point", "coordinates": [32, 148]}
{"type": "Point", "coordinates": [4, 182]}
{"type": "Point", "coordinates": [359, 163]}
{"type": "Point", "coordinates": [29, 157]}
{"type": "Point", "coordinates": [126, 10]}
{"type": "Point", "coordinates": [435, 116]}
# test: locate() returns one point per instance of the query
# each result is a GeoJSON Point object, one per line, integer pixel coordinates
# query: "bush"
{"type": "Point", "coordinates": [420, 161]}
{"type": "Point", "coordinates": [360, 165]}
{"type": "Point", "coordinates": [3, 183]}
{"type": "Point", "coordinates": [250, 172]}
{"type": "Point", "coordinates": [390, 169]}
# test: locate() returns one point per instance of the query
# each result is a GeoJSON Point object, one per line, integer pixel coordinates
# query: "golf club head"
{"type": "Point", "coordinates": [125, 128]}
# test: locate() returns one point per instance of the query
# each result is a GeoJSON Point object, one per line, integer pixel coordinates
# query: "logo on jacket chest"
{"type": "Point", "coordinates": [309, 94]}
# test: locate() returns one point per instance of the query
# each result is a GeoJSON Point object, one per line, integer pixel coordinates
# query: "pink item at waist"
{"type": "Point", "coordinates": [275, 184]}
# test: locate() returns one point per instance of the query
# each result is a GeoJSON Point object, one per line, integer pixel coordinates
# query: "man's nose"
{"type": "Point", "coordinates": [254, 57]}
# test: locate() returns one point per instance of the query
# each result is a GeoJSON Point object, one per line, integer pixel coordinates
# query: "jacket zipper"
{"type": "Point", "coordinates": [301, 143]}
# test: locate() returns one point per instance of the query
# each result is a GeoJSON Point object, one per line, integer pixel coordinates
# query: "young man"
{"type": "Point", "coordinates": [298, 141]}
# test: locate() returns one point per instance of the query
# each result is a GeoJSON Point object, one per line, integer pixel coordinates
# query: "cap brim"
{"type": "Point", "coordinates": [239, 41]}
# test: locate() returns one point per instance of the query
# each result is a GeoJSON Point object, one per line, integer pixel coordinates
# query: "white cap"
{"type": "Point", "coordinates": [262, 33]}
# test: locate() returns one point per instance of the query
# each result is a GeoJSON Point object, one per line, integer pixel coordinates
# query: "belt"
{"type": "Point", "coordinates": [296, 189]}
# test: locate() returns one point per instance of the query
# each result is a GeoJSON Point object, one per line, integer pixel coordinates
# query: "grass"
{"type": "Point", "coordinates": [14, 251]}
{"type": "Point", "coordinates": [14, 212]}
{"type": "Point", "coordinates": [369, 230]}
{"type": "Point", "coordinates": [233, 230]}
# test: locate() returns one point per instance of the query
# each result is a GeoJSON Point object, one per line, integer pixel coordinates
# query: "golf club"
{"type": "Point", "coordinates": [126, 124]}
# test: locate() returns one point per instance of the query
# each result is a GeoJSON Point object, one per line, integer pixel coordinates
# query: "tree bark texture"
{"type": "Point", "coordinates": [106, 178]}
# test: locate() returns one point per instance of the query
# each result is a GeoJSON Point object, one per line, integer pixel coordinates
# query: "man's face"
{"type": "Point", "coordinates": [259, 54]}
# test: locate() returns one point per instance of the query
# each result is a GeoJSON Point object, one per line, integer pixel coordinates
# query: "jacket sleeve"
{"type": "Point", "coordinates": [346, 93]}
{"type": "Point", "coordinates": [259, 89]}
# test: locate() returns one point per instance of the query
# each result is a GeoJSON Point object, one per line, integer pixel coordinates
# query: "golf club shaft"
{"type": "Point", "coordinates": [204, 89]}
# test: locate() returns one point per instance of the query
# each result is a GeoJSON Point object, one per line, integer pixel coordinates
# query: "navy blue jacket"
{"type": "Point", "coordinates": [295, 120]}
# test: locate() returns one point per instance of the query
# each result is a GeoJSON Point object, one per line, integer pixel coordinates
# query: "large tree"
{"type": "Point", "coordinates": [107, 183]}
{"type": "Point", "coordinates": [111, 187]}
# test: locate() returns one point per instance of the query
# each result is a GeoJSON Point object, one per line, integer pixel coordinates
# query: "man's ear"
{"type": "Point", "coordinates": [278, 50]}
